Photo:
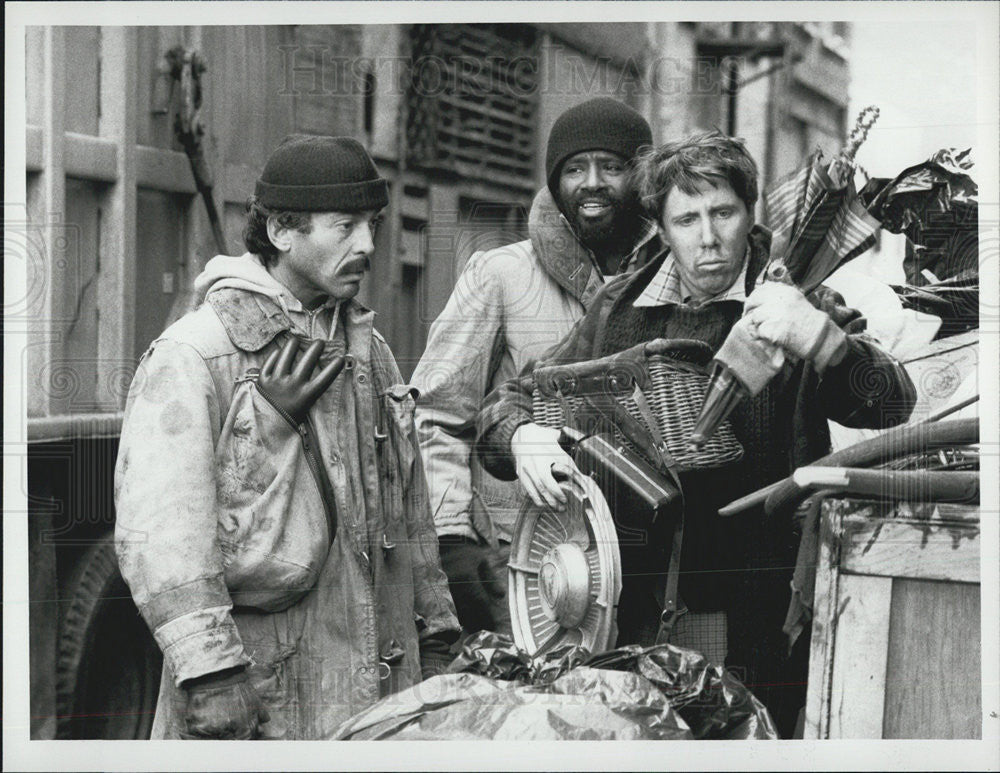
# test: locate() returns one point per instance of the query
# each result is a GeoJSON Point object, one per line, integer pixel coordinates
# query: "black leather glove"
{"type": "Point", "coordinates": [474, 586]}
{"type": "Point", "coordinates": [290, 389]}
{"type": "Point", "coordinates": [222, 706]}
{"type": "Point", "coordinates": [435, 657]}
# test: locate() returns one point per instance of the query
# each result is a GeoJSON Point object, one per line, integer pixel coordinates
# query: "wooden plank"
{"type": "Point", "coordinates": [91, 158]}
{"type": "Point", "coordinates": [90, 425]}
{"type": "Point", "coordinates": [611, 42]}
{"type": "Point", "coordinates": [154, 121]}
{"type": "Point", "coordinates": [33, 154]}
{"type": "Point", "coordinates": [83, 78]}
{"type": "Point", "coordinates": [161, 243]}
{"type": "Point", "coordinates": [116, 290]}
{"type": "Point", "coordinates": [914, 549]}
{"type": "Point", "coordinates": [274, 100]}
{"type": "Point", "coordinates": [34, 67]}
{"type": "Point", "coordinates": [473, 171]}
{"type": "Point", "coordinates": [857, 693]}
{"type": "Point", "coordinates": [164, 170]}
{"type": "Point", "coordinates": [497, 115]}
{"type": "Point", "coordinates": [238, 182]}
{"type": "Point", "coordinates": [824, 631]}
{"type": "Point", "coordinates": [235, 106]}
{"type": "Point", "coordinates": [501, 150]}
{"type": "Point", "coordinates": [327, 100]}
{"type": "Point", "coordinates": [72, 380]}
{"type": "Point", "coordinates": [933, 680]}
{"type": "Point", "coordinates": [47, 215]}
{"type": "Point", "coordinates": [381, 45]}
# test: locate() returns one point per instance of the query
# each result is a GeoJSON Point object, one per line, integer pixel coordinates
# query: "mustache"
{"type": "Point", "coordinates": [604, 199]}
{"type": "Point", "coordinates": [356, 266]}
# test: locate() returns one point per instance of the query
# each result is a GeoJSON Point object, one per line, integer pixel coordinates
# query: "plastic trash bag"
{"type": "Point", "coordinates": [954, 300]}
{"type": "Point", "coordinates": [910, 202]}
{"type": "Point", "coordinates": [936, 205]}
{"type": "Point", "coordinates": [496, 656]}
{"type": "Point", "coordinates": [495, 692]}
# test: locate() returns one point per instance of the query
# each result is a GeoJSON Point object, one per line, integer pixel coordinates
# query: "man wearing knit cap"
{"type": "Point", "coordinates": [509, 305]}
{"type": "Point", "coordinates": [272, 515]}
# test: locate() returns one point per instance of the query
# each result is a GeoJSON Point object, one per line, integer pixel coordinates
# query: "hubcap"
{"type": "Point", "coordinates": [564, 584]}
{"type": "Point", "coordinates": [565, 573]}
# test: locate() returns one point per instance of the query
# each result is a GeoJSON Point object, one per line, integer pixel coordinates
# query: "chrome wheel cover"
{"type": "Point", "coordinates": [565, 573]}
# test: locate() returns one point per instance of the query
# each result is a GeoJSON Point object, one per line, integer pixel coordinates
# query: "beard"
{"type": "Point", "coordinates": [620, 224]}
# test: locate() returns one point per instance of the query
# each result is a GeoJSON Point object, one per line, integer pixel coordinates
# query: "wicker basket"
{"type": "Point", "coordinates": [674, 387]}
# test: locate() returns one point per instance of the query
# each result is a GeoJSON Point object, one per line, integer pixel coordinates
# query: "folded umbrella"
{"type": "Point", "coordinates": [818, 222]}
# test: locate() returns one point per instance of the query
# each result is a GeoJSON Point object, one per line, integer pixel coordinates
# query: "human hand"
{"type": "Point", "coordinates": [475, 587]}
{"type": "Point", "coordinates": [780, 314]}
{"type": "Point", "coordinates": [291, 389]}
{"type": "Point", "coordinates": [435, 657]}
{"type": "Point", "coordinates": [222, 706]}
{"type": "Point", "coordinates": [537, 455]}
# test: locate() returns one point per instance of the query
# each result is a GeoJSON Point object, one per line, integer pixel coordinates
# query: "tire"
{"type": "Point", "coordinates": [108, 665]}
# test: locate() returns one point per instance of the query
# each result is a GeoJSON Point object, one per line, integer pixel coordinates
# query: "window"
{"type": "Point", "coordinates": [472, 100]}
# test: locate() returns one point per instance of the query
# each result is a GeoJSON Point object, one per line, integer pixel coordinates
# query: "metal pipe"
{"type": "Point", "coordinates": [912, 485]}
{"type": "Point", "coordinates": [911, 438]}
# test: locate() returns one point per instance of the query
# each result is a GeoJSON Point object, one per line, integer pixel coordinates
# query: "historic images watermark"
{"type": "Point", "coordinates": [315, 70]}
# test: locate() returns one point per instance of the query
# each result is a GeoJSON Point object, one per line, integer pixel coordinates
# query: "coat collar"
{"type": "Point", "coordinates": [252, 320]}
{"type": "Point", "coordinates": [561, 253]}
{"type": "Point", "coordinates": [668, 287]}
{"type": "Point", "coordinates": [760, 249]}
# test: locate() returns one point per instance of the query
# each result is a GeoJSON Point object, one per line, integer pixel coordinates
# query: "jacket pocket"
{"type": "Point", "coordinates": [272, 525]}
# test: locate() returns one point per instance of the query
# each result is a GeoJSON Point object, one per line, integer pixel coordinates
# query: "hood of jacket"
{"type": "Point", "coordinates": [561, 253]}
{"type": "Point", "coordinates": [254, 306]}
{"type": "Point", "coordinates": [243, 272]}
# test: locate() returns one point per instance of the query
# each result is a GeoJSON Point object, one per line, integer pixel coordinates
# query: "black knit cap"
{"type": "Point", "coordinates": [321, 174]}
{"type": "Point", "coordinates": [597, 124]}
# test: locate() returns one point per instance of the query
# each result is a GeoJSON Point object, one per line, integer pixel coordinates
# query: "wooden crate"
{"type": "Point", "coordinates": [896, 627]}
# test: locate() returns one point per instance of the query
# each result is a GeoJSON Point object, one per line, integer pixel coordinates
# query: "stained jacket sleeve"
{"type": "Point", "coordinates": [868, 388]}
{"type": "Point", "coordinates": [453, 377]}
{"type": "Point", "coordinates": [432, 599]}
{"type": "Point", "coordinates": [432, 603]}
{"type": "Point", "coordinates": [165, 496]}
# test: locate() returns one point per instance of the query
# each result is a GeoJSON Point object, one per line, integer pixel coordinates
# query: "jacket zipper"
{"type": "Point", "coordinates": [306, 433]}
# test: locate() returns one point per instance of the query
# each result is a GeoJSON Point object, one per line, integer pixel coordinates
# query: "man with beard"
{"type": "Point", "coordinates": [509, 305]}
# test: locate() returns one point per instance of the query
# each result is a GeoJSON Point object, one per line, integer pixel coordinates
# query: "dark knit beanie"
{"type": "Point", "coordinates": [321, 174]}
{"type": "Point", "coordinates": [597, 124]}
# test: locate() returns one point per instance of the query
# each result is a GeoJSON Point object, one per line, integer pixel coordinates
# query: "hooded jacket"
{"type": "Point", "coordinates": [509, 305]}
{"type": "Point", "coordinates": [222, 530]}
